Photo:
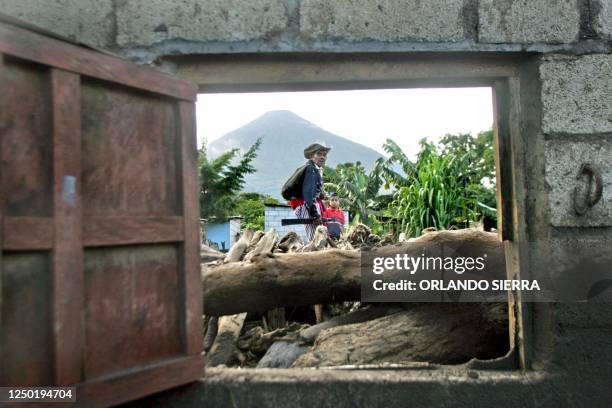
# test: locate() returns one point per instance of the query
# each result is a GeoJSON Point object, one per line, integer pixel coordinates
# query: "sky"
{"type": "Point", "coordinates": [368, 117]}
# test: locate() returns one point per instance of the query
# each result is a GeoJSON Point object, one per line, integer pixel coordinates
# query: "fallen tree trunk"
{"type": "Point", "coordinates": [273, 280]}
{"type": "Point", "coordinates": [426, 332]}
{"type": "Point", "coordinates": [276, 280]}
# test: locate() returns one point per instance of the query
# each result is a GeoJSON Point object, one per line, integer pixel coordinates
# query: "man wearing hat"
{"type": "Point", "coordinates": [310, 204]}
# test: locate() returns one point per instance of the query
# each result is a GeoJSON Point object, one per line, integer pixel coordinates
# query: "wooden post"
{"type": "Point", "coordinates": [2, 81]}
{"type": "Point", "coordinates": [503, 161]}
{"type": "Point", "coordinates": [67, 281]}
{"type": "Point", "coordinates": [191, 282]}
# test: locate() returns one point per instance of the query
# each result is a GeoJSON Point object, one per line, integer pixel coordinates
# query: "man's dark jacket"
{"type": "Point", "coordinates": [312, 187]}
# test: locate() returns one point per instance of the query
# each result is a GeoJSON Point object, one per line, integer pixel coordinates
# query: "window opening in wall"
{"type": "Point", "coordinates": [404, 164]}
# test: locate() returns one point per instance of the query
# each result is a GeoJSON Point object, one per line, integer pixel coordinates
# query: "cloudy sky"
{"type": "Point", "coordinates": [367, 117]}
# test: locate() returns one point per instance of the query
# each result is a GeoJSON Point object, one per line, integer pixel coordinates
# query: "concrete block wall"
{"type": "Point", "coordinates": [88, 21]}
{"type": "Point", "coordinates": [528, 21]}
{"type": "Point", "coordinates": [146, 30]}
{"type": "Point", "coordinates": [274, 215]}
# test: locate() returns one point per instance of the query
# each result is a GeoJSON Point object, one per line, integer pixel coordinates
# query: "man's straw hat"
{"type": "Point", "coordinates": [313, 148]}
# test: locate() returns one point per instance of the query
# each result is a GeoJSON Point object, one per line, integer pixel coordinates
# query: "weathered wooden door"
{"type": "Point", "coordinates": [99, 245]}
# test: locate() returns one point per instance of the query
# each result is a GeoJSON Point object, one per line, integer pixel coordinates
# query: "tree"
{"type": "Point", "coordinates": [220, 181]}
{"type": "Point", "coordinates": [358, 191]}
{"type": "Point", "coordinates": [480, 169]}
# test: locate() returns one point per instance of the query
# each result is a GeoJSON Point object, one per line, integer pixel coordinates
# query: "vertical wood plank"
{"type": "Point", "coordinates": [67, 260]}
{"type": "Point", "coordinates": [192, 289]}
{"type": "Point", "coordinates": [2, 81]}
{"type": "Point", "coordinates": [503, 161]}
{"type": "Point", "coordinates": [520, 140]}
{"type": "Point", "coordinates": [511, 209]}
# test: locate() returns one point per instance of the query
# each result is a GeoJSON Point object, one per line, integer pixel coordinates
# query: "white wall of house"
{"type": "Point", "coordinates": [275, 213]}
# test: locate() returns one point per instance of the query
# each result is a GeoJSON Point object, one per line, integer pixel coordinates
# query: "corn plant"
{"type": "Point", "coordinates": [443, 189]}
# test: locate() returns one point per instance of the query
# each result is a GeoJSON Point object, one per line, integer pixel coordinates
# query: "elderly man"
{"type": "Point", "coordinates": [307, 200]}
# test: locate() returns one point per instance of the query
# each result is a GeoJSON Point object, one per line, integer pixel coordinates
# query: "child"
{"type": "Point", "coordinates": [335, 213]}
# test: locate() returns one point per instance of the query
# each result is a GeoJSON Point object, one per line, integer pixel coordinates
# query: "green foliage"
{"type": "Point", "coordinates": [436, 194]}
{"type": "Point", "coordinates": [357, 190]}
{"type": "Point", "coordinates": [251, 207]}
{"type": "Point", "coordinates": [397, 160]}
{"type": "Point", "coordinates": [448, 186]}
{"type": "Point", "coordinates": [480, 162]}
{"type": "Point", "coordinates": [220, 180]}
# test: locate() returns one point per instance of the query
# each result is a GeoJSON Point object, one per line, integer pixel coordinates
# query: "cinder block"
{"type": "Point", "coordinates": [146, 22]}
{"type": "Point", "coordinates": [385, 20]}
{"type": "Point", "coordinates": [573, 266]}
{"type": "Point", "coordinates": [577, 94]}
{"type": "Point", "coordinates": [583, 314]}
{"type": "Point", "coordinates": [86, 21]}
{"type": "Point", "coordinates": [563, 161]}
{"type": "Point", "coordinates": [602, 18]}
{"type": "Point", "coordinates": [586, 350]}
{"type": "Point", "coordinates": [528, 21]}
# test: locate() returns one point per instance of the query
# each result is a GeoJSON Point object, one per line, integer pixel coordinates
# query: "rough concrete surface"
{"type": "Point", "coordinates": [583, 315]}
{"type": "Point", "coordinates": [578, 266]}
{"type": "Point", "coordinates": [602, 18]}
{"type": "Point", "coordinates": [146, 22]}
{"type": "Point", "coordinates": [563, 161]}
{"type": "Point", "coordinates": [587, 352]}
{"type": "Point", "coordinates": [384, 20]}
{"type": "Point", "coordinates": [426, 387]}
{"type": "Point", "coordinates": [528, 21]}
{"type": "Point", "coordinates": [86, 21]}
{"type": "Point", "coordinates": [577, 94]}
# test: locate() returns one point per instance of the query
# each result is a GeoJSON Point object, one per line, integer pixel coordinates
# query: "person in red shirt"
{"type": "Point", "coordinates": [336, 216]}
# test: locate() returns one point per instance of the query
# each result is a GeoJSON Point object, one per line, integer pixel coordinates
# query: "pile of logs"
{"type": "Point", "coordinates": [248, 293]}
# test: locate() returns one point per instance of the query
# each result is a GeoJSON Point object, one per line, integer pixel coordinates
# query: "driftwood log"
{"type": "Point", "coordinates": [236, 253]}
{"type": "Point", "coordinates": [224, 349]}
{"type": "Point", "coordinates": [427, 332]}
{"type": "Point", "coordinates": [256, 237]}
{"type": "Point", "coordinates": [275, 280]}
{"type": "Point", "coordinates": [369, 312]}
{"type": "Point", "coordinates": [264, 245]}
{"type": "Point", "coordinates": [268, 281]}
{"type": "Point", "coordinates": [210, 332]}
{"type": "Point", "coordinates": [290, 242]}
{"type": "Point", "coordinates": [207, 254]}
